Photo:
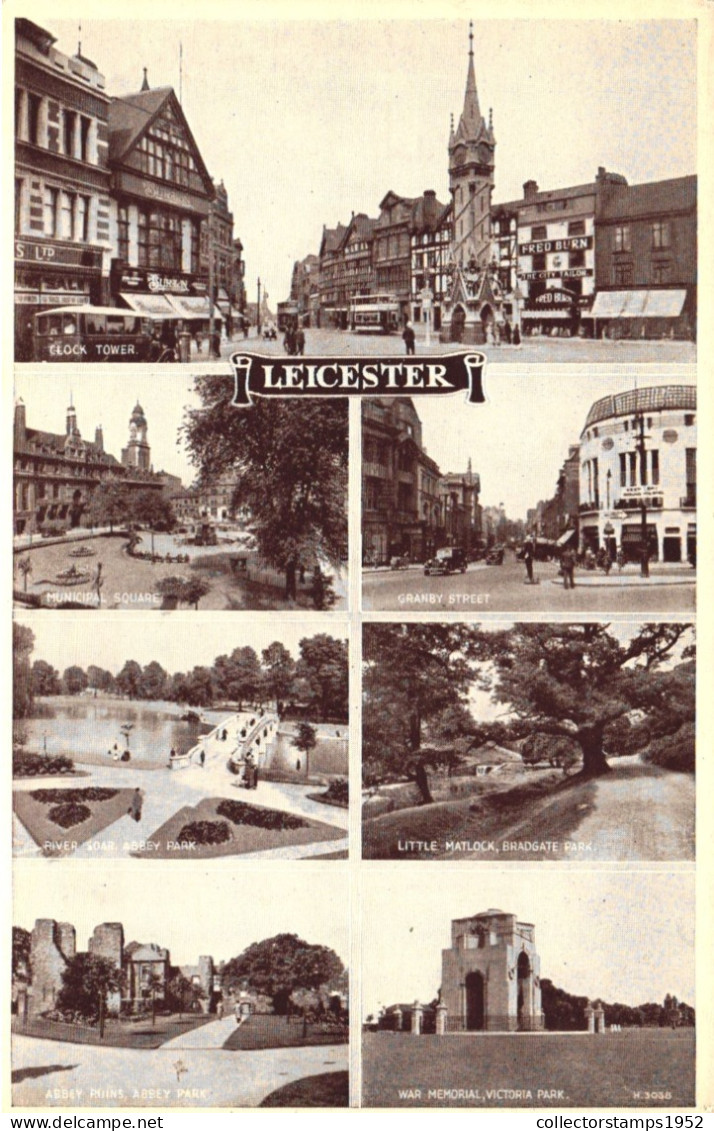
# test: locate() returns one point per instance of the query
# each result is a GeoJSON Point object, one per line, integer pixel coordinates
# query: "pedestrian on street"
{"type": "Point", "coordinates": [219, 1009]}
{"type": "Point", "coordinates": [567, 565]}
{"type": "Point", "coordinates": [517, 337]}
{"type": "Point", "coordinates": [136, 804]}
{"type": "Point", "coordinates": [645, 561]}
{"type": "Point", "coordinates": [409, 338]}
{"type": "Point", "coordinates": [507, 332]}
{"type": "Point", "coordinates": [215, 343]}
{"type": "Point", "coordinates": [300, 341]}
{"type": "Point", "coordinates": [202, 757]}
{"type": "Point", "coordinates": [528, 559]}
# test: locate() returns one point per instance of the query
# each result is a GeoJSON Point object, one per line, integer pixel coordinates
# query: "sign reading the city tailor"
{"type": "Point", "coordinates": [269, 376]}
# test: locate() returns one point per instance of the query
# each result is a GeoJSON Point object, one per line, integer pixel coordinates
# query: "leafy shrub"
{"type": "Point", "coordinates": [25, 765]}
{"type": "Point", "coordinates": [204, 832]}
{"type": "Point", "coordinates": [70, 814]}
{"type": "Point", "coordinates": [47, 796]}
{"type": "Point", "coordinates": [338, 791]}
{"type": "Point", "coordinates": [241, 814]}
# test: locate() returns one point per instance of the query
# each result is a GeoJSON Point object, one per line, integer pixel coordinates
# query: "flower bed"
{"type": "Point", "coordinates": [26, 765]}
{"type": "Point", "coordinates": [241, 814]}
{"type": "Point", "coordinates": [71, 813]}
{"type": "Point", "coordinates": [48, 796]}
{"type": "Point", "coordinates": [204, 832]}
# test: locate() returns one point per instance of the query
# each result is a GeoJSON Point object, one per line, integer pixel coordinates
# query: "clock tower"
{"type": "Point", "coordinates": [472, 149]}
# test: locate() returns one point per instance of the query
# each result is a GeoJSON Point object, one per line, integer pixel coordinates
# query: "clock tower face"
{"type": "Point", "coordinates": [484, 154]}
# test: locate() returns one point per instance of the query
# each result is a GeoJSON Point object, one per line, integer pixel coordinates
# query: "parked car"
{"type": "Point", "coordinates": [449, 560]}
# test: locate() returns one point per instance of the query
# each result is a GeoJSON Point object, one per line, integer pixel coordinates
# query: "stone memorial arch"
{"type": "Point", "coordinates": [491, 975]}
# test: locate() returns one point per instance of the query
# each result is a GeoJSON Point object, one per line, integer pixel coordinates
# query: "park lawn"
{"type": "Point", "coordinates": [57, 841]}
{"type": "Point", "coordinates": [634, 1068]}
{"type": "Point", "coordinates": [481, 817]}
{"type": "Point", "coordinates": [244, 838]}
{"type": "Point", "coordinates": [328, 1089]}
{"type": "Point", "coordinates": [272, 1031]}
{"type": "Point", "coordinates": [117, 1034]}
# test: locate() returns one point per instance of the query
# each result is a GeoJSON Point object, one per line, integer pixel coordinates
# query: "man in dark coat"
{"type": "Point", "coordinates": [409, 338]}
{"type": "Point", "coordinates": [528, 559]}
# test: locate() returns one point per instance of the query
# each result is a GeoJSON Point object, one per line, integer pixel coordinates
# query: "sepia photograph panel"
{"type": "Point", "coordinates": [430, 210]}
{"type": "Point", "coordinates": [538, 741]}
{"type": "Point", "coordinates": [166, 495]}
{"type": "Point", "coordinates": [556, 989]}
{"type": "Point", "coordinates": [231, 993]}
{"type": "Point", "coordinates": [125, 745]}
{"type": "Point", "coordinates": [553, 496]}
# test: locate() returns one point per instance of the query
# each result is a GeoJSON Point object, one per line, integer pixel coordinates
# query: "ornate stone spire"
{"type": "Point", "coordinates": [471, 120]}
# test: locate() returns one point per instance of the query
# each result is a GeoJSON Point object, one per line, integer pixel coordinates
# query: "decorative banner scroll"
{"type": "Point", "coordinates": [263, 375]}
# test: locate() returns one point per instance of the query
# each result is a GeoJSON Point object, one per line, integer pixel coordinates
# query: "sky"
{"type": "Point", "coordinates": [216, 913]}
{"type": "Point", "coordinates": [598, 933]}
{"type": "Point", "coordinates": [518, 440]}
{"type": "Point", "coordinates": [308, 120]}
{"type": "Point", "coordinates": [172, 640]}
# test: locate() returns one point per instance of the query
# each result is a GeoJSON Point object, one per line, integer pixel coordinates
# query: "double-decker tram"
{"type": "Point", "coordinates": [376, 314]}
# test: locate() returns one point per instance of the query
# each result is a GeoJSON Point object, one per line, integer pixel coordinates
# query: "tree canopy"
{"type": "Point", "coordinates": [290, 459]}
{"type": "Point", "coordinates": [569, 684]}
{"type": "Point", "coordinates": [278, 966]}
{"type": "Point", "coordinates": [86, 981]}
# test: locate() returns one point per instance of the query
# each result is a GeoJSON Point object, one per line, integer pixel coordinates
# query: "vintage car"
{"type": "Point", "coordinates": [449, 560]}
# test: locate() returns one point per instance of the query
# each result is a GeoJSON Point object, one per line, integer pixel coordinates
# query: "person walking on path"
{"type": "Point", "coordinates": [567, 565]}
{"type": "Point", "coordinates": [409, 338]}
{"type": "Point", "coordinates": [644, 561]}
{"type": "Point", "coordinates": [136, 804]}
{"type": "Point", "coordinates": [300, 342]}
{"type": "Point", "coordinates": [528, 559]}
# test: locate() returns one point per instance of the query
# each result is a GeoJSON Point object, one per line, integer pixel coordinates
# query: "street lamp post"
{"type": "Point", "coordinates": [642, 452]}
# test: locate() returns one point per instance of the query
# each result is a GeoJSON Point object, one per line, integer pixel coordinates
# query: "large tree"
{"type": "Point", "coordinates": [23, 641]}
{"type": "Point", "coordinates": [238, 677]}
{"type": "Point", "coordinates": [152, 509]}
{"type": "Point", "coordinates": [278, 673]}
{"type": "Point", "coordinates": [45, 679]}
{"type": "Point", "coordinates": [109, 505]}
{"type": "Point", "coordinates": [290, 460]}
{"type": "Point", "coordinates": [414, 676]}
{"type": "Point", "coordinates": [277, 967]}
{"type": "Point", "coordinates": [154, 681]}
{"type": "Point", "coordinates": [323, 665]}
{"type": "Point", "coordinates": [100, 679]}
{"type": "Point", "coordinates": [74, 680]}
{"type": "Point", "coordinates": [128, 681]}
{"type": "Point", "coordinates": [86, 981]}
{"type": "Point", "coordinates": [575, 681]}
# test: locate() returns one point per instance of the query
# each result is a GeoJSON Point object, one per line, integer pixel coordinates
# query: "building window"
{"type": "Point", "coordinates": [660, 234]}
{"type": "Point", "coordinates": [539, 232]}
{"type": "Point", "coordinates": [576, 259]}
{"type": "Point", "coordinates": [50, 210]}
{"type": "Point", "coordinates": [576, 228]}
{"type": "Point", "coordinates": [632, 458]}
{"type": "Point", "coordinates": [623, 469]}
{"type": "Point", "coordinates": [69, 124]}
{"type": "Point", "coordinates": [661, 272]}
{"type": "Point", "coordinates": [19, 188]}
{"type": "Point", "coordinates": [622, 238]}
{"type": "Point", "coordinates": [688, 419]}
{"type": "Point", "coordinates": [81, 231]}
{"type": "Point", "coordinates": [66, 230]}
{"type": "Point", "coordinates": [654, 465]}
{"type": "Point", "coordinates": [34, 104]}
{"type": "Point", "coordinates": [538, 263]}
{"type": "Point", "coordinates": [123, 232]}
{"type": "Point", "coordinates": [85, 124]}
{"type": "Point", "coordinates": [622, 274]}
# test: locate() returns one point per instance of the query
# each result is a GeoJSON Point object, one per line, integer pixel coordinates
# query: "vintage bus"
{"type": "Point", "coordinates": [95, 333]}
{"type": "Point", "coordinates": [376, 314]}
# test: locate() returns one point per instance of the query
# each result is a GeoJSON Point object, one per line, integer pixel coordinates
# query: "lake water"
{"type": "Point", "coordinates": [84, 728]}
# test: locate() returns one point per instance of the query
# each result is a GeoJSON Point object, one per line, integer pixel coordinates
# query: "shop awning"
{"type": "Point", "coordinates": [638, 304]}
{"type": "Point", "coordinates": [151, 306]}
{"type": "Point", "coordinates": [565, 537]}
{"type": "Point", "coordinates": [194, 306]}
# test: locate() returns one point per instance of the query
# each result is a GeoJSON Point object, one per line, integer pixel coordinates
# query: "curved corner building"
{"type": "Point", "coordinates": [638, 473]}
